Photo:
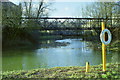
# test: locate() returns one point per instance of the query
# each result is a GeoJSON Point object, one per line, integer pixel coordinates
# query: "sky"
{"type": "Point", "coordinates": [66, 8]}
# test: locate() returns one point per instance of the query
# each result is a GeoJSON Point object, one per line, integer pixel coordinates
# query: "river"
{"type": "Point", "coordinates": [76, 53]}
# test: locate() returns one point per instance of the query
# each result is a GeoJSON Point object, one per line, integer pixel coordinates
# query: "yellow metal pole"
{"type": "Point", "coordinates": [103, 49]}
{"type": "Point", "coordinates": [87, 66]}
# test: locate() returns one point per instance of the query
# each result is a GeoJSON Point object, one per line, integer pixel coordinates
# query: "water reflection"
{"type": "Point", "coordinates": [66, 52]}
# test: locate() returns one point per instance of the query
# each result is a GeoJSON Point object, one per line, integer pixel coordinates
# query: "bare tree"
{"type": "Point", "coordinates": [40, 10]}
{"type": "Point", "coordinates": [35, 9]}
{"type": "Point", "coordinates": [102, 10]}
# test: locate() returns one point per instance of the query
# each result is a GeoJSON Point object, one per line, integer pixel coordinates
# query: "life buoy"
{"type": "Point", "coordinates": [109, 37]}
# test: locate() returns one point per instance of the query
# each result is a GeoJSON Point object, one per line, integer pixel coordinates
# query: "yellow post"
{"type": "Point", "coordinates": [87, 66]}
{"type": "Point", "coordinates": [103, 49]}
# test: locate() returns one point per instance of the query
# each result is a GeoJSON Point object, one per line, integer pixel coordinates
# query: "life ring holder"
{"type": "Point", "coordinates": [109, 37]}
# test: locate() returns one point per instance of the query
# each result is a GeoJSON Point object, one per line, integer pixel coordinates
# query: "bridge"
{"type": "Point", "coordinates": [69, 23]}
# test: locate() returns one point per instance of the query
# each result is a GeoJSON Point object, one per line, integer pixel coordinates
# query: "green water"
{"type": "Point", "coordinates": [74, 54]}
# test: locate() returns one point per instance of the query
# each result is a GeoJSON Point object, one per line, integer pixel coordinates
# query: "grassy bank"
{"type": "Point", "coordinates": [113, 72]}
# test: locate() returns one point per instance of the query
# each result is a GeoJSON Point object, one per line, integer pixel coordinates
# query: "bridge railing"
{"type": "Point", "coordinates": [68, 23]}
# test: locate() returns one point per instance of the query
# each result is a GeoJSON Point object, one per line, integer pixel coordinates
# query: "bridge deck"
{"type": "Point", "coordinates": [71, 28]}
{"type": "Point", "coordinates": [64, 18]}
{"type": "Point", "coordinates": [76, 25]}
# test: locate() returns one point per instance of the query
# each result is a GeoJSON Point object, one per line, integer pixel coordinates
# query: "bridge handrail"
{"type": "Point", "coordinates": [64, 18]}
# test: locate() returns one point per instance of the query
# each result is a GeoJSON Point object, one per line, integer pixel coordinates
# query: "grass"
{"type": "Point", "coordinates": [95, 72]}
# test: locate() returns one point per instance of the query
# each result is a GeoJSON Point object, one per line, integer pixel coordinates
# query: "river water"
{"type": "Point", "coordinates": [76, 53]}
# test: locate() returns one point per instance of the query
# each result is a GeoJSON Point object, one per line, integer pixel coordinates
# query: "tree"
{"type": "Point", "coordinates": [11, 10]}
{"type": "Point", "coordinates": [105, 10]}
{"type": "Point", "coordinates": [33, 9]}
{"type": "Point", "coordinates": [14, 30]}
{"type": "Point", "coordinates": [101, 10]}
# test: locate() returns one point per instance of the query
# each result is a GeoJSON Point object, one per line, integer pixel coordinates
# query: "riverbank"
{"type": "Point", "coordinates": [95, 72]}
{"type": "Point", "coordinates": [97, 45]}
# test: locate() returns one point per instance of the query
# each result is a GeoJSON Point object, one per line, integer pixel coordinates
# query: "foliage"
{"type": "Point", "coordinates": [101, 10]}
{"type": "Point", "coordinates": [15, 29]}
{"type": "Point", "coordinates": [105, 10]}
{"type": "Point", "coordinates": [11, 10]}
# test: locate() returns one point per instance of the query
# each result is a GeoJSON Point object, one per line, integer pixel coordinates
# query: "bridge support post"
{"type": "Point", "coordinates": [103, 49]}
